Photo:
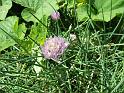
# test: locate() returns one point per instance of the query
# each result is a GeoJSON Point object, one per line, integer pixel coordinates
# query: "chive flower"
{"type": "Point", "coordinates": [55, 15]}
{"type": "Point", "coordinates": [54, 47]}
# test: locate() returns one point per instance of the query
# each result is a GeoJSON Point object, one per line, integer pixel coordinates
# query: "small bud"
{"type": "Point", "coordinates": [55, 15]}
{"type": "Point", "coordinates": [72, 36]}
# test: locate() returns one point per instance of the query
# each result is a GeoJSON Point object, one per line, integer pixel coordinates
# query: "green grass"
{"type": "Point", "coordinates": [93, 62]}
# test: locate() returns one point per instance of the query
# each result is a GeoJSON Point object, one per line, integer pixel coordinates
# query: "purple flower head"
{"type": "Point", "coordinates": [55, 15]}
{"type": "Point", "coordinates": [54, 47]}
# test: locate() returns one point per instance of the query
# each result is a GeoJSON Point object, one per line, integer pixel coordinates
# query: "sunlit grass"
{"type": "Point", "coordinates": [93, 62]}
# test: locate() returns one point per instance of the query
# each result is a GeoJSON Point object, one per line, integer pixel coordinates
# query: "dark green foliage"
{"type": "Point", "coordinates": [93, 62]}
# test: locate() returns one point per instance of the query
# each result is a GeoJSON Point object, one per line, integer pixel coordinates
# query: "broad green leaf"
{"type": "Point", "coordinates": [38, 7]}
{"type": "Point", "coordinates": [21, 30]}
{"type": "Point", "coordinates": [81, 1]}
{"type": "Point", "coordinates": [37, 36]}
{"type": "Point", "coordinates": [82, 12]}
{"type": "Point", "coordinates": [9, 31]}
{"type": "Point", "coordinates": [5, 5]}
{"type": "Point", "coordinates": [26, 45]}
{"type": "Point", "coordinates": [72, 3]}
{"type": "Point", "coordinates": [32, 4]}
{"type": "Point", "coordinates": [107, 9]}
{"type": "Point", "coordinates": [38, 33]}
